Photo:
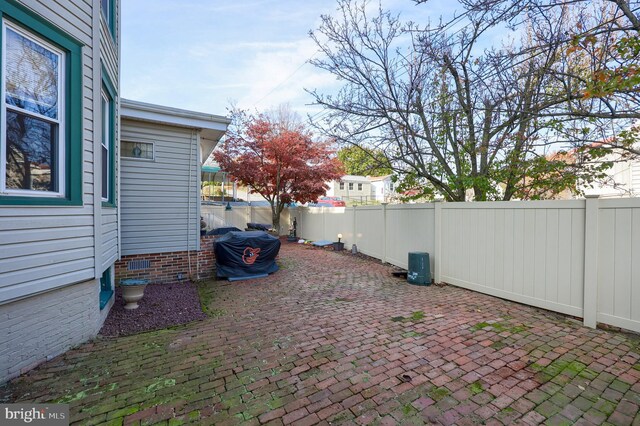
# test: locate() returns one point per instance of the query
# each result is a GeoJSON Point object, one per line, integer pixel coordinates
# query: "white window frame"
{"type": "Point", "coordinates": [153, 150]}
{"type": "Point", "coordinates": [342, 185]}
{"type": "Point", "coordinates": [105, 106]}
{"type": "Point", "coordinates": [61, 171]}
{"type": "Point", "coordinates": [359, 187]}
{"type": "Point", "coordinates": [350, 186]}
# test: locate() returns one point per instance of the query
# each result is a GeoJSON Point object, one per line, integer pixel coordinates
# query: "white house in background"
{"type": "Point", "coordinates": [362, 189]}
{"type": "Point", "coordinates": [59, 195]}
{"type": "Point", "coordinates": [351, 188]}
{"type": "Point", "coordinates": [623, 179]}
{"type": "Point", "coordinates": [382, 188]}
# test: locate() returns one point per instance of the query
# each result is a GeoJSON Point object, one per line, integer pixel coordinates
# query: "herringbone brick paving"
{"type": "Point", "coordinates": [334, 339]}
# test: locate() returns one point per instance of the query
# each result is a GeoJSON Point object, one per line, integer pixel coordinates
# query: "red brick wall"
{"type": "Point", "coordinates": [165, 267]}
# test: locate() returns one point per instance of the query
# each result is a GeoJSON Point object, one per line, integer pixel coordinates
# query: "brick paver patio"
{"type": "Point", "coordinates": [334, 339]}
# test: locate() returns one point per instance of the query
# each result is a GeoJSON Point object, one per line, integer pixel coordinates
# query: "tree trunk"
{"type": "Point", "coordinates": [275, 218]}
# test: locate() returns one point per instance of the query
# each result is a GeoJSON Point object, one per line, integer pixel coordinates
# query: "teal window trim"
{"type": "Point", "coordinates": [72, 138]}
{"type": "Point", "coordinates": [110, 90]}
{"type": "Point", "coordinates": [111, 19]}
{"type": "Point", "coordinates": [106, 289]}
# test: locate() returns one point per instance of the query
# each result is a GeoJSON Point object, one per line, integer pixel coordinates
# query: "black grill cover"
{"type": "Point", "coordinates": [245, 254]}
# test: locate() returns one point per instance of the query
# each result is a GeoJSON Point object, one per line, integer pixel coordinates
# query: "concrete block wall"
{"type": "Point", "coordinates": [165, 267]}
{"type": "Point", "coordinates": [38, 328]}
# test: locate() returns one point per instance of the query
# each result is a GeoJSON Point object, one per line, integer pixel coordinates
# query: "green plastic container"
{"type": "Point", "coordinates": [419, 272]}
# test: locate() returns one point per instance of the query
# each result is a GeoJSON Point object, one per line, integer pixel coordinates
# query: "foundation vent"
{"type": "Point", "coordinates": [136, 265]}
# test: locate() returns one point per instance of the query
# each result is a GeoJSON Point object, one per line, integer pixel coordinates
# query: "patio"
{"type": "Point", "coordinates": [332, 338]}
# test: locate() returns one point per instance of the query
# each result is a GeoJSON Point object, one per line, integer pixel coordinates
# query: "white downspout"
{"type": "Point", "coordinates": [191, 148]}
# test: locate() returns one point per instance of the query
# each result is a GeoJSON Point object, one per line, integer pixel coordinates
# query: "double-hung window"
{"type": "Point", "coordinates": [107, 140]}
{"type": "Point", "coordinates": [32, 114]}
{"type": "Point", "coordinates": [108, 14]}
{"type": "Point", "coordinates": [40, 111]}
{"type": "Point", "coordinates": [107, 147]}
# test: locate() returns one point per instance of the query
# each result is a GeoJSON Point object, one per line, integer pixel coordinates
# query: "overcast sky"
{"type": "Point", "coordinates": [204, 54]}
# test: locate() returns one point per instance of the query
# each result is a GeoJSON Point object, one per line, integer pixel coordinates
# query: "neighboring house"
{"type": "Point", "coordinates": [162, 151]}
{"type": "Point", "coordinates": [382, 188]}
{"type": "Point", "coordinates": [351, 188]}
{"type": "Point", "coordinates": [623, 178]}
{"type": "Point", "coordinates": [59, 197]}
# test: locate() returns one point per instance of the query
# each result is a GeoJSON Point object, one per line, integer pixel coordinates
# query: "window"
{"type": "Point", "coordinates": [40, 112]}
{"type": "Point", "coordinates": [31, 114]}
{"type": "Point", "coordinates": [351, 186]}
{"type": "Point", "coordinates": [106, 290]}
{"type": "Point", "coordinates": [138, 150]}
{"type": "Point", "coordinates": [108, 14]}
{"type": "Point", "coordinates": [341, 185]}
{"type": "Point", "coordinates": [359, 187]}
{"type": "Point", "coordinates": [107, 111]}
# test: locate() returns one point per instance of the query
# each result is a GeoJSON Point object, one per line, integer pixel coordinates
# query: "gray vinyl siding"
{"type": "Point", "coordinates": [41, 247]}
{"type": "Point", "coordinates": [155, 195]}
{"type": "Point", "coordinates": [109, 225]}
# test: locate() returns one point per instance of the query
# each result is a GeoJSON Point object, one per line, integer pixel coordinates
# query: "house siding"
{"type": "Point", "coordinates": [160, 221]}
{"type": "Point", "coordinates": [50, 256]}
{"type": "Point", "coordinates": [23, 268]}
{"type": "Point", "coordinates": [109, 241]}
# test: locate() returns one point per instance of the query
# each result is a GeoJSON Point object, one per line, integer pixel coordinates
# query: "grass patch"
{"type": "Point", "coordinates": [439, 393]}
{"type": "Point", "coordinates": [343, 299]}
{"type": "Point", "coordinates": [499, 327]}
{"type": "Point", "coordinates": [557, 367]}
{"type": "Point", "coordinates": [415, 316]}
{"type": "Point", "coordinates": [411, 334]}
{"type": "Point", "coordinates": [205, 293]}
{"type": "Point", "coordinates": [409, 410]}
{"type": "Point", "coordinates": [476, 387]}
{"type": "Point", "coordinates": [498, 345]}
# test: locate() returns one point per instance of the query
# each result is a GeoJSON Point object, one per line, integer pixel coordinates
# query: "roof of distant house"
{"type": "Point", "coordinates": [353, 178]}
{"type": "Point", "coordinates": [377, 178]}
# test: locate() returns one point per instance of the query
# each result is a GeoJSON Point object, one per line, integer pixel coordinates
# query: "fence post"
{"type": "Point", "coordinates": [384, 232]}
{"type": "Point", "coordinates": [437, 237]}
{"type": "Point", "coordinates": [324, 223]}
{"type": "Point", "coordinates": [590, 289]}
{"type": "Point", "coordinates": [355, 237]}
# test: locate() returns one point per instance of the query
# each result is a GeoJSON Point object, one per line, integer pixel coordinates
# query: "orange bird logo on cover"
{"type": "Point", "coordinates": [250, 255]}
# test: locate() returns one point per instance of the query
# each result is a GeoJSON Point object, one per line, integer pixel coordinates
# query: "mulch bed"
{"type": "Point", "coordinates": [163, 305]}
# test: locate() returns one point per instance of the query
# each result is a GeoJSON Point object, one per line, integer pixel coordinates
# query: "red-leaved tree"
{"type": "Point", "coordinates": [278, 160]}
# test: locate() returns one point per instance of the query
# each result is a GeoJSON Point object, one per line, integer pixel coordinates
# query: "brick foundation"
{"type": "Point", "coordinates": [165, 267]}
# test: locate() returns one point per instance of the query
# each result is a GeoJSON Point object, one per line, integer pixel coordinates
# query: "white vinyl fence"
{"type": "Point", "coordinates": [577, 257]}
{"type": "Point", "coordinates": [218, 216]}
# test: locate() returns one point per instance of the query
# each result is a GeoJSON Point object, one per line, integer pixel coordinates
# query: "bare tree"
{"type": "Point", "coordinates": [449, 116]}
{"type": "Point", "coordinates": [598, 72]}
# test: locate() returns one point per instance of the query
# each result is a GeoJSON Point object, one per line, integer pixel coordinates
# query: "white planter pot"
{"type": "Point", "coordinates": [132, 292]}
